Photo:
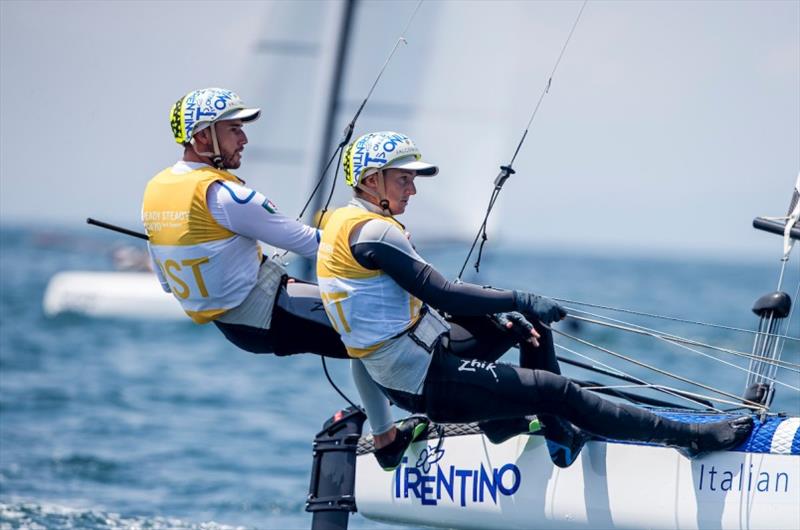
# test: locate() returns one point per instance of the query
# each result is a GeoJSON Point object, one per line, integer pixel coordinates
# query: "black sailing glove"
{"type": "Point", "coordinates": [514, 322]}
{"type": "Point", "coordinates": [539, 307]}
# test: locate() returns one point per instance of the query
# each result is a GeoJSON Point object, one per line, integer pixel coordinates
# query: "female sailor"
{"type": "Point", "coordinates": [379, 293]}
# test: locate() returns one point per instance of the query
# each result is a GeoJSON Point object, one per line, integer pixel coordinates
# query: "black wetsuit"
{"type": "Point", "coordinates": [464, 383]}
{"type": "Point", "coordinates": [291, 332]}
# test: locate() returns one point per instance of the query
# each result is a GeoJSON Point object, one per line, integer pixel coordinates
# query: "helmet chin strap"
{"type": "Point", "coordinates": [380, 195]}
{"type": "Point", "coordinates": [383, 201]}
{"type": "Point", "coordinates": [216, 157]}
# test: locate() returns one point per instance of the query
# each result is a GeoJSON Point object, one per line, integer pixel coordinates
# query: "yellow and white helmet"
{"type": "Point", "coordinates": [383, 150]}
{"type": "Point", "coordinates": [200, 108]}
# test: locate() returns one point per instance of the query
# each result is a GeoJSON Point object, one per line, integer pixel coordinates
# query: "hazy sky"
{"type": "Point", "coordinates": [668, 126]}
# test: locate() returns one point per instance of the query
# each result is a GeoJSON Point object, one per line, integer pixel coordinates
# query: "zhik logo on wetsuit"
{"type": "Point", "coordinates": [461, 486]}
{"type": "Point", "coordinates": [473, 365]}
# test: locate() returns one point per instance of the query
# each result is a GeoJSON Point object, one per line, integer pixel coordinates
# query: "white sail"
{"type": "Point", "coordinates": [650, 131]}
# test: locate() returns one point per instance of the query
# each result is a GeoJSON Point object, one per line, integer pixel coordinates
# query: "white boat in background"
{"type": "Point", "coordinates": [130, 291]}
{"type": "Point", "coordinates": [111, 294]}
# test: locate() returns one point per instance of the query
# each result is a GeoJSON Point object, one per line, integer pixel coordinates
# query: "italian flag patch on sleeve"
{"type": "Point", "coordinates": [269, 206]}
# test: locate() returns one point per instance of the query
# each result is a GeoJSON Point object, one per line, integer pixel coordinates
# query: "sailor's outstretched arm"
{"type": "Point", "coordinates": [380, 245]}
{"type": "Point", "coordinates": [247, 212]}
{"type": "Point", "coordinates": [377, 406]}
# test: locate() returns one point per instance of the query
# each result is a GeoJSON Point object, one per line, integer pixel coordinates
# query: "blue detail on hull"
{"type": "Point", "coordinates": [760, 440]}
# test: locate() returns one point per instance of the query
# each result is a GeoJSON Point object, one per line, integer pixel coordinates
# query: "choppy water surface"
{"type": "Point", "coordinates": [111, 424]}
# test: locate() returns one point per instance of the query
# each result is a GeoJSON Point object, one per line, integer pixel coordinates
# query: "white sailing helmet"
{"type": "Point", "coordinates": [200, 108]}
{"type": "Point", "coordinates": [383, 150]}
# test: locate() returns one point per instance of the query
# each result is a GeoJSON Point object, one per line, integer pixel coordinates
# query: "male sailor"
{"type": "Point", "coordinates": [379, 292]}
{"type": "Point", "coordinates": [204, 225]}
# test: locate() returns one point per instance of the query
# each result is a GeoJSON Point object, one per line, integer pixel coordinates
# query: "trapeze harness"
{"type": "Point", "coordinates": [377, 293]}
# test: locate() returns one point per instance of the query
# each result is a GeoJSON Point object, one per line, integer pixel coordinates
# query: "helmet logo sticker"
{"type": "Point", "coordinates": [375, 150]}
{"type": "Point", "coordinates": [200, 108]}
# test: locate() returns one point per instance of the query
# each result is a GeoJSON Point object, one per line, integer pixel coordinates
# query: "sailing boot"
{"type": "Point", "coordinates": [390, 456]}
{"type": "Point", "coordinates": [716, 436]}
{"type": "Point", "coordinates": [564, 440]}
{"type": "Point", "coordinates": [498, 431]}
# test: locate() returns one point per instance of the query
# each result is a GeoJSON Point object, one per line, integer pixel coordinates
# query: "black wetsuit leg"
{"type": "Point", "coordinates": [478, 338]}
{"type": "Point", "coordinates": [462, 390]}
{"type": "Point", "coordinates": [288, 335]}
{"type": "Point", "coordinates": [483, 339]}
{"type": "Point", "coordinates": [543, 357]}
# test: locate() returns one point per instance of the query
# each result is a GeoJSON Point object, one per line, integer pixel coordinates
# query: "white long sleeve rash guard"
{"type": "Point", "coordinates": [249, 213]}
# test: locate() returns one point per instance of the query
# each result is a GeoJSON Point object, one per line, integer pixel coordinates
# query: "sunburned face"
{"type": "Point", "coordinates": [399, 184]}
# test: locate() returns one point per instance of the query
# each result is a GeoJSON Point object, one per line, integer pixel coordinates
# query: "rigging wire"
{"type": "Point", "coordinates": [632, 377]}
{"type": "Point", "coordinates": [789, 319]}
{"type": "Point", "coordinates": [650, 367]}
{"type": "Point", "coordinates": [674, 319]}
{"type": "Point", "coordinates": [770, 369]}
{"type": "Point", "coordinates": [339, 151]}
{"type": "Point", "coordinates": [705, 355]}
{"type": "Point", "coordinates": [348, 130]}
{"type": "Point", "coordinates": [507, 170]}
{"type": "Point", "coordinates": [641, 330]}
{"type": "Point", "coordinates": [661, 387]}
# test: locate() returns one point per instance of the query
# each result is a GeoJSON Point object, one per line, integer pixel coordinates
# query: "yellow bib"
{"type": "Point", "coordinates": [365, 306]}
{"type": "Point", "coordinates": [209, 268]}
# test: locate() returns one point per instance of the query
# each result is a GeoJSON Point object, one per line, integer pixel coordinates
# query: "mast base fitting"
{"type": "Point", "coordinates": [758, 393]}
{"type": "Point", "coordinates": [779, 304]}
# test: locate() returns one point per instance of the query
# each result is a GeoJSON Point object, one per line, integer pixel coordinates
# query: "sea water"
{"type": "Point", "coordinates": [108, 424]}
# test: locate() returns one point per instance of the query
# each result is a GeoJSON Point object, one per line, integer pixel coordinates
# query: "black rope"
{"type": "Point", "coordinates": [333, 187]}
{"type": "Point", "coordinates": [322, 176]}
{"type": "Point", "coordinates": [347, 135]}
{"type": "Point", "coordinates": [348, 131]}
{"type": "Point", "coordinates": [506, 171]}
{"type": "Point", "coordinates": [330, 380]}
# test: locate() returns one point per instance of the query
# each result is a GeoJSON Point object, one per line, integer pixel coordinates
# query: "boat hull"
{"type": "Point", "coordinates": [471, 483]}
{"type": "Point", "coordinates": [110, 294]}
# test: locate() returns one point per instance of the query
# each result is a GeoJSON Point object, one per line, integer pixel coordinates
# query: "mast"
{"type": "Point", "coordinates": [332, 108]}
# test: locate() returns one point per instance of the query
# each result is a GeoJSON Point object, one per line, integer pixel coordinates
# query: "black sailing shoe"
{"type": "Point", "coordinates": [564, 442]}
{"type": "Point", "coordinates": [498, 431]}
{"type": "Point", "coordinates": [717, 436]}
{"type": "Point", "coordinates": [390, 456]}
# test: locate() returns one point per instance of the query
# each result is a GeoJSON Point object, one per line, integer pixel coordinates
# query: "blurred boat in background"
{"type": "Point", "coordinates": [111, 294]}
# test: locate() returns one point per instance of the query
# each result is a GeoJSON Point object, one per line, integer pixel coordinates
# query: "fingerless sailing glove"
{"type": "Point", "coordinates": [519, 325]}
{"type": "Point", "coordinates": [539, 307]}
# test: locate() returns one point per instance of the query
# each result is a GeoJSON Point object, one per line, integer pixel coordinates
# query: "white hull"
{"type": "Point", "coordinates": [611, 485]}
{"type": "Point", "coordinates": [110, 294]}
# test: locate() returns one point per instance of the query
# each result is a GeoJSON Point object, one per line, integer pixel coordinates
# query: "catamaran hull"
{"type": "Point", "coordinates": [471, 483]}
{"type": "Point", "coordinates": [110, 295]}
